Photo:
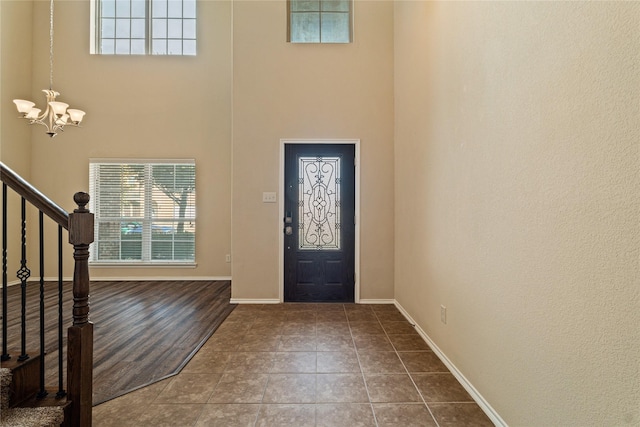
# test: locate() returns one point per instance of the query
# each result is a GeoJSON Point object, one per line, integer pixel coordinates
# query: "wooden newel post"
{"type": "Point", "coordinates": [80, 335]}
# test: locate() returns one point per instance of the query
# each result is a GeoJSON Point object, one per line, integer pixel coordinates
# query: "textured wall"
{"type": "Point", "coordinates": [518, 200]}
{"type": "Point", "coordinates": [284, 90]}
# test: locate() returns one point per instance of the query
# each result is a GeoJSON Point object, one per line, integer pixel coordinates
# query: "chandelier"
{"type": "Point", "coordinates": [57, 115]}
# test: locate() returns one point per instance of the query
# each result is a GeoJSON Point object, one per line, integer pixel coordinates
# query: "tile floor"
{"type": "Point", "coordinates": [304, 365]}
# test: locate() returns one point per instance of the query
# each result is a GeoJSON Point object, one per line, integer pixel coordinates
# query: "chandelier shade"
{"type": "Point", "coordinates": [57, 115]}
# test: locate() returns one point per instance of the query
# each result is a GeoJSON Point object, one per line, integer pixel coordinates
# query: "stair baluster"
{"type": "Point", "coordinates": [23, 274]}
{"type": "Point", "coordinates": [5, 351]}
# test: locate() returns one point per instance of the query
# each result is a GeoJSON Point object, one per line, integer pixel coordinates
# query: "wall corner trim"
{"type": "Point", "coordinates": [480, 400]}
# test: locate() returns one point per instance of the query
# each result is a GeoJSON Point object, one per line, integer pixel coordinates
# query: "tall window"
{"type": "Point", "coordinates": [139, 27]}
{"type": "Point", "coordinates": [145, 211]}
{"type": "Point", "coordinates": [320, 21]}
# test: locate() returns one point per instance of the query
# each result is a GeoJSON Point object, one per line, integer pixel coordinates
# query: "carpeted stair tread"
{"type": "Point", "coordinates": [33, 417]}
{"type": "Point", "coordinates": [5, 382]}
{"type": "Point", "coordinates": [47, 416]}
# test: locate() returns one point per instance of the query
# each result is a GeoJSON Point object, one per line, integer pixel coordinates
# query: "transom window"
{"type": "Point", "coordinates": [145, 211]}
{"type": "Point", "coordinates": [144, 27]}
{"type": "Point", "coordinates": [320, 21]}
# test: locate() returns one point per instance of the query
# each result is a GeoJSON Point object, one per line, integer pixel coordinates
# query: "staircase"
{"type": "Point", "coordinates": [26, 401]}
{"type": "Point", "coordinates": [19, 404]}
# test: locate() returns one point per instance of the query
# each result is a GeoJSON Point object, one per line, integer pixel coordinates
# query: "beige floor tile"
{"type": "Point", "coordinates": [440, 388]}
{"type": "Point", "coordinates": [372, 343]}
{"type": "Point", "coordinates": [332, 316]}
{"type": "Point", "coordinates": [299, 328]}
{"type": "Point", "coordinates": [266, 328]}
{"type": "Point", "coordinates": [422, 361]}
{"type": "Point", "coordinates": [189, 388]}
{"type": "Point", "coordinates": [337, 362]}
{"type": "Point", "coordinates": [294, 362]}
{"type": "Point", "coordinates": [228, 415]}
{"type": "Point", "coordinates": [403, 414]}
{"type": "Point", "coordinates": [333, 328]}
{"type": "Point", "coordinates": [240, 387]}
{"type": "Point", "coordinates": [297, 343]}
{"type": "Point", "coordinates": [290, 415]}
{"type": "Point", "coordinates": [258, 342]}
{"type": "Point", "coordinates": [380, 362]}
{"type": "Point", "coordinates": [459, 414]}
{"type": "Point", "coordinates": [361, 316]}
{"type": "Point", "coordinates": [344, 415]}
{"type": "Point", "coordinates": [411, 342]}
{"type": "Point", "coordinates": [207, 362]}
{"type": "Point", "coordinates": [169, 415]}
{"type": "Point", "coordinates": [290, 388]}
{"type": "Point", "coordinates": [366, 328]}
{"type": "Point", "coordinates": [334, 343]}
{"type": "Point", "coordinates": [396, 328]}
{"type": "Point", "coordinates": [341, 388]}
{"type": "Point", "coordinates": [390, 388]}
{"type": "Point", "coordinates": [390, 315]}
{"type": "Point", "coordinates": [249, 362]}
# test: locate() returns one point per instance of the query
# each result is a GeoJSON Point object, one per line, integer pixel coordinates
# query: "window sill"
{"type": "Point", "coordinates": [125, 264]}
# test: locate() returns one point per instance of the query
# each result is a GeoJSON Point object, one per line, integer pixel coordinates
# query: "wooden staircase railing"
{"type": "Point", "coordinates": [79, 224]}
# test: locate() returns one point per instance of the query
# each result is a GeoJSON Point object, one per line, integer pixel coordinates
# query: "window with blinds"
{"type": "Point", "coordinates": [145, 211]}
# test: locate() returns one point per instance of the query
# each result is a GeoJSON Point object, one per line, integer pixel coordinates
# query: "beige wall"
{"type": "Point", "coordinates": [517, 159]}
{"type": "Point", "coordinates": [139, 107]}
{"type": "Point", "coordinates": [15, 82]}
{"type": "Point", "coordinates": [284, 90]}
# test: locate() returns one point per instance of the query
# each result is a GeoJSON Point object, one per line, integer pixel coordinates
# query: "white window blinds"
{"type": "Point", "coordinates": [145, 211]}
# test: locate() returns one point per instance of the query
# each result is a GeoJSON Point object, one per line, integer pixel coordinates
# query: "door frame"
{"type": "Point", "coordinates": [356, 260]}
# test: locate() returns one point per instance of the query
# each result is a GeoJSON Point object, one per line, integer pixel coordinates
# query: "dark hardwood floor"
{"type": "Point", "coordinates": [143, 331]}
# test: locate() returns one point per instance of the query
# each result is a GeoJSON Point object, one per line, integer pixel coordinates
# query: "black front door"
{"type": "Point", "coordinates": [319, 241]}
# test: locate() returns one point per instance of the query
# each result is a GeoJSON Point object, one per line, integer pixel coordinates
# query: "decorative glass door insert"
{"type": "Point", "coordinates": [319, 203]}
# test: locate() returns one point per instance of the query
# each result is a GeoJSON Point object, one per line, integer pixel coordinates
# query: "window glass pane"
{"type": "Point", "coordinates": [123, 8]}
{"type": "Point", "coordinates": [137, 47]}
{"type": "Point", "coordinates": [159, 28]}
{"type": "Point", "coordinates": [123, 28]}
{"type": "Point", "coordinates": [131, 251]}
{"type": "Point", "coordinates": [108, 28]}
{"type": "Point", "coordinates": [138, 9]}
{"type": "Point", "coordinates": [174, 47]}
{"type": "Point", "coordinates": [122, 46]}
{"type": "Point", "coordinates": [174, 9]}
{"type": "Point", "coordinates": [159, 47]}
{"type": "Point", "coordinates": [305, 27]}
{"type": "Point", "coordinates": [137, 28]}
{"type": "Point", "coordinates": [174, 28]}
{"type": "Point", "coordinates": [189, 9]}
{"type": "Point", "coordinates": [189, 29]}
{"type": "Point", "coordinates": [335, 28]}
{"type": "Point", "coordinates": [108, 8]}
{"type": "Point", "coordinates": [335, 5]}
{"type": "Point", "coordinates": [159, 8]}
{"type": "Point", "coordinates": [189, 47]}
{"type": "Point", "coordinates": [107, 46]}
{"type": "Point", "coordinates": [107, 251]}
{"type": "Point", "coordinates": [305, 5]}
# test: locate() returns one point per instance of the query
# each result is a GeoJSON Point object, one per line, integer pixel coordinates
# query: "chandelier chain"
{"type": "Point", "coordinates": [51, 45]}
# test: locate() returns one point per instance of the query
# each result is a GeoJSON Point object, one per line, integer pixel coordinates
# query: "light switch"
{"type": "Point", "coordinates": [269, 197]}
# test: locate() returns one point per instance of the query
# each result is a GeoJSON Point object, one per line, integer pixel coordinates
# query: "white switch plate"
{"type": "Point", "coordinates": [269, 197]}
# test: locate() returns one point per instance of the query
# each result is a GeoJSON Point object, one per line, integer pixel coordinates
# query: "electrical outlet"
{"type": "Point", "coordinates": [443, 314]}
{"type": "Point", "coordinates": [227, 258]}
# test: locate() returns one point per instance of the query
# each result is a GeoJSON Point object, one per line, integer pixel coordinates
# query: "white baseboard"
{"type": "Point", "coordinates": [159, 278]}
{"type": "Point", "coordinates": [376, 301]}
{"type": "Point", "coordinates": [484, 405]}
{"type": "Point", "coordinates": [131, 279]}
{"type": "Point", "coordinates": [254, 301]}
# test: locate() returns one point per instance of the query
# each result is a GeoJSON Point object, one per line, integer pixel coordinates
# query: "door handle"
{"type": "Point", "coordinates": [288, 230]}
